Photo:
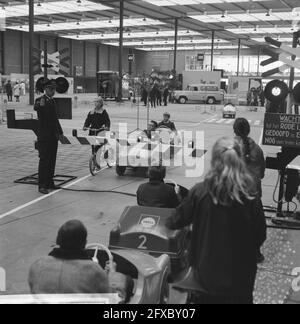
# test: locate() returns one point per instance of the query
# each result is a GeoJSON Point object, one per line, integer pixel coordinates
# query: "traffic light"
{"type": "Point", "coordinates": [276, 93]}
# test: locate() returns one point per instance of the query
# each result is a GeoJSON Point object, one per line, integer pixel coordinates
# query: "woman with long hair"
{"type": "Point", "coordinates": [253, 154]}
{"type": "Point", "coordinates": [228, 228]}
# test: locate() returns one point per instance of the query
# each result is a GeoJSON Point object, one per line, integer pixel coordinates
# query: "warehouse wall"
{"type": "Point", "coordinates": [14, 46]}
{"type": "Point", "coordinates": [84, 53]}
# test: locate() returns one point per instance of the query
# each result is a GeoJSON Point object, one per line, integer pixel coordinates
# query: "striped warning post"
{"type": "Point", "coordinates": [86, 140]}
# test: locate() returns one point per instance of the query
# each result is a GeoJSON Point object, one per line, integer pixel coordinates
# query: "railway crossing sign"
{"type": "Point", "coordinates": [58, 61]}
{"type": "Point", "coordinates": [284, 56]}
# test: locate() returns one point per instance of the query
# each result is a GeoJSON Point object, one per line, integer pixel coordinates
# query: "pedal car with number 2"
{"type": "Point", "coordinates": [138, 278]}
{"type": "Point", "coordinates": [144, 229]}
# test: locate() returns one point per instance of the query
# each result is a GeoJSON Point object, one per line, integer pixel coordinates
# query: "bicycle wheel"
{"type": "Point", "coordinates": [94, 168]}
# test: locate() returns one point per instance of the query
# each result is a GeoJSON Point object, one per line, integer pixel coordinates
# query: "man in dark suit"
{"type": "Point", "coordinates": [49, 132]}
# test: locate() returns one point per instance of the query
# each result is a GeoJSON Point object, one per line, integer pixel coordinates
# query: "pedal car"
{"type": "Point", "coordinates": [143, 229]}
{"type": "Point", "coordinates": [140, 151]}
{"type": "Point", "coordinates": [139, 278]}
{"type": "Point", "coordinates": [229, 111]}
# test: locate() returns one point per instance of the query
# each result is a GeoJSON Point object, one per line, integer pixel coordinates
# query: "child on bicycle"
{"type": "Point", "coordinates": [97, 121]}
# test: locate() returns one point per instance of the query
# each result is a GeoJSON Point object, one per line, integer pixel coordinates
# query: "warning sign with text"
{"type": "Point", "coordinates": [282, 130]}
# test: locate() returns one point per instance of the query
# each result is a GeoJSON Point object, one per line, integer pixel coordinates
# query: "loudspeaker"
{"type": "Point", "coordinates": [62, 84]}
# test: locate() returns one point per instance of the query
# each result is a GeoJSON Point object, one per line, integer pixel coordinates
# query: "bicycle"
{"type": "Point", "coordinates": [102, 154]}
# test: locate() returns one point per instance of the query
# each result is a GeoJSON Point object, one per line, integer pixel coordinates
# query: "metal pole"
{"type": "Point", "coordinates": [258, 61]}
{"type": "Point", "coordinates": [31, 35]}
{"type": "Point", "coordinates": [212, 50]}
{"type": "Point", "coordinates": [292, 75]}
{"type": "Point", "coordinates": [238, 58]}
{"type": "Point", "coordinates": [175, 45]}
{"type": "Point", "coordinates": [120, 94]}
{"type": "Point", "coordinates": [45, 60]}
{"type": "Point", "coordinates": [130, 63]}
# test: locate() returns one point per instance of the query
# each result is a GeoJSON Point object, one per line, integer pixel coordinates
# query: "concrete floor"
{"type": "Point", "coordinates": [29, 221]}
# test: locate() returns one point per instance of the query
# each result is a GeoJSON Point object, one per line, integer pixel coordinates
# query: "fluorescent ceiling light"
{"type": "Point", "coordinates": [166, 3]}
{"type": "Point", "coordinates": [167, 42]}
{"type": "Point", "coordinates": [132, 35]}
{"type": "Point", "coordinates": [187, 48]}
{"type": "Point", "coordinates": [87, 24]}
{"type": "Point", "coordinates": [281, 39]}
{"type": "Point", "coordinates": [53, 7]}
{"type": "Point", "coordinates": [244, 17]}
{"type": "Point", "coordinates": [261, 30]}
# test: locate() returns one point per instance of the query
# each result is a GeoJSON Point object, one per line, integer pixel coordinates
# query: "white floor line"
{"type": "Point", "coordinates": [220, 121]}
{"type": "Point", "coordinates": [45, 196]}
{"type": "Point", "coordinates": [208, 119]}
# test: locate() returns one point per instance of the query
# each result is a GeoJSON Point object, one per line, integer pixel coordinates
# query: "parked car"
{"type": "Point", "coordinates": [197, 92]}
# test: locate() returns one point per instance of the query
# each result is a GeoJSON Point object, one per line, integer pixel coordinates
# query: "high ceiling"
{"type": "Point", "coordinates": [149, 24]}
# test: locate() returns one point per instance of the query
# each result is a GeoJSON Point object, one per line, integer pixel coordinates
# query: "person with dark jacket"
{"type": "Point", "coordinates": [144, 96]}
{"type": "Point", "coordinates": [97, 119]}
{"type": "Point", "coordinates": [159, 94]}
{"type": "Point", "coordinates": [150, 128]}
{"type": "Point", "coordinates": [68, 269]}
{"type": "Point", "coordinates": [156, 193]}
{"type": "Point", "coordinates": [166, 122]}
{"type": "Point", "coordinates": [9, 91]}
{"type": "Point", "coordinates": [166, 94]}
{"type": "Point", "coordinates": [153, 94]}
{"type": "Point", "coordinates": [253, 154]}
{"type": "Point", "coordinates": [49, 131]}
{"type": "Point", "coordinates": [228, 228]}
{"type": "Point", "coordinates": [253, 157]}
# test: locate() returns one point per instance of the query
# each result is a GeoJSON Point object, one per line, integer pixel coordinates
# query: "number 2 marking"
{"type": "Point", "coordinates": [144, 240]}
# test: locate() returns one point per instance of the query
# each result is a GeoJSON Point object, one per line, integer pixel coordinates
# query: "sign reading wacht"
{"type": "Point", "coordinates": [282, 130]}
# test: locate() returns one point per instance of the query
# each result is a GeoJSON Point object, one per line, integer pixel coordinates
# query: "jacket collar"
{"type": "Point", "coordinates": [59, 253]}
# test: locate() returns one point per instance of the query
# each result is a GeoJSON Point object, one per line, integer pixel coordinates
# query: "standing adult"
{"type": "Point", "coordinates": [23, 88]}
{"type": "Point", "coordinates": [17, 91]}
{"type": "Point", "coordinates": [228, 228]}
{"type": "Point", "coordinates": [49, 132]}
{"type": "Point", "coordinates": [254, 158]}
{"type": "Point", "coordinates": [144, 96]}
{"type": "Point", "coordinates": [159, 96]}
{"type": "Point", "coordinates": [166, 96]}
{"type": "Point", "coordinates": [9, 91]}
{"type": "Point", "coordinates": [153, 93]}
{"type": "Point", "coordinates": [252, 152]}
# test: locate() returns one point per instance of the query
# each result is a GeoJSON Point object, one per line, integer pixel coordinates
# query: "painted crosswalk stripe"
{"type": "Point", "coordinates": [220, 121]}
{"type": "Point", "coordinates": [229, 121]}
{"type": "Point", "coordinates": [211, 120]}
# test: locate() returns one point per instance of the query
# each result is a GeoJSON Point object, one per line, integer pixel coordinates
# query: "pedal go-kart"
{"type": "Point", "coordinates": [229, 111]}
{"type": "Point", "coordinates": [142, 230]}
{"type": "Point", "coordinates": [138, 278]}
{"type": "Point", "coordinates": [140, 152]}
